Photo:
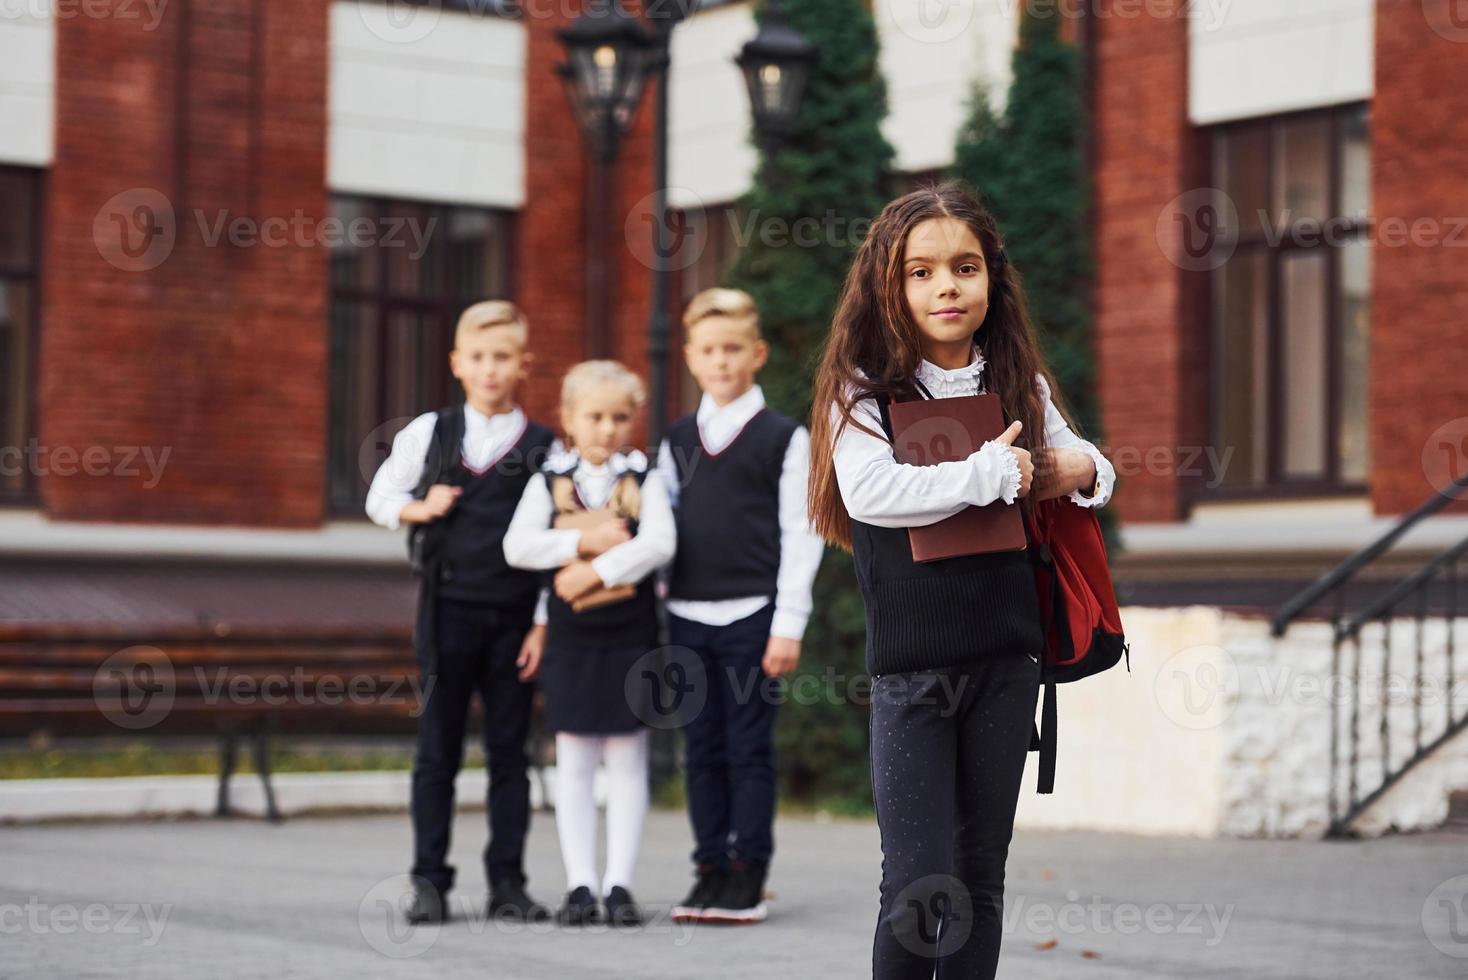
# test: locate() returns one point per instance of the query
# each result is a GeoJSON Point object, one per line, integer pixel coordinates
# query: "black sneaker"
{"type": "Point", "coordinates": [579, 909]}
{"type": "Point", "coordinates": [508, 902]}
{"type": "Point", "coordinates": [427, 905]}
{"type": "Point", "coordinates": [621, 909]}
{"type": "Point", "coordinates": [741, 901]}
{"type": "Point", "coordinates": [706, 886]}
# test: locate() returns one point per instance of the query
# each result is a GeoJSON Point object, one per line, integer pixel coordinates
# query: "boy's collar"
{"type": "Point", "coordinates": [507, 413]}
{"type": "Point", "coordinates": [751, 401]}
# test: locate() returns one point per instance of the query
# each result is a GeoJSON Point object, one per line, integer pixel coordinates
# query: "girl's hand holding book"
{"type": "Point", "coordinates": [1070, 469]}
{"type": "Point", "coordinates": [575, 580]}
{"type": "Point", "coordinates": [602, 538]}
{"type": "Point", "coordinates": [1022, 455]}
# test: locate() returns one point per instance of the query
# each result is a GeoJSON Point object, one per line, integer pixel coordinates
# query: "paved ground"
{"type": "Point", "coordinates": [314, 897]}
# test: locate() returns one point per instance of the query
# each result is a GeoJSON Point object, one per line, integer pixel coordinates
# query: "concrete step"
{"type": "Point", "coordinates": [1457, 820]}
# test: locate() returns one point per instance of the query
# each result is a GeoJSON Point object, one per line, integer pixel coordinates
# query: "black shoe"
{"type": "Point", "coordinates": [579, 909]}
{"type": "Point", "coordinates": [709, 883]}
{"type": "Point", "coordinates": [428, 905]}
{"type": "Point", "coordinates": [621, 909]}
{"type": "Point", "coordinates": [508, 902]}
{"type": "Point", "coordinates": [741, 901]}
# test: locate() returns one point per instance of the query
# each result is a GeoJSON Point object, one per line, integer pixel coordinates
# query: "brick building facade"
{"type": "Point", "coordinates": [247, 362]}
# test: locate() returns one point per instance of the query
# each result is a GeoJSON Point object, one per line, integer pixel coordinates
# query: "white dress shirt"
{"type": "Point", "coordinates": [800, 547]}
{"type": "Point", "coordinates": [531, 543]}
{"type": "Point", "coordinates": [880, 491]}
{"type": "Point", "coordinates": [487, 438]}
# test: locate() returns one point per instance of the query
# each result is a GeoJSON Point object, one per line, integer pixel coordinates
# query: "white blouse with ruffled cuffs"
{"type": "Point", "coordinates": [880, 491]}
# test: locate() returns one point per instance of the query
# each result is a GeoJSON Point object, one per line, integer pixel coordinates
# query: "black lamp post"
{"type": "Point", "coordinates": [606, 67]}
{"type": "Point", "coordinates": [776, 65]}
{"type": "Point", "coordinates": [610, 57]}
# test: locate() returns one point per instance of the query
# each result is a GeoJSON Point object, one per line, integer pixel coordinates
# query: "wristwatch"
{"type": "Point", "coordinates": [1095, 486]}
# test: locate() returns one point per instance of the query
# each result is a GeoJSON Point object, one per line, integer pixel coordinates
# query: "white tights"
{"type": "Point", "coordinates": [625, 757]}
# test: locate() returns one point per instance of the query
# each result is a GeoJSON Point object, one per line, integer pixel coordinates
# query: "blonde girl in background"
{"type": "Point", "coordinates": [600, 521]}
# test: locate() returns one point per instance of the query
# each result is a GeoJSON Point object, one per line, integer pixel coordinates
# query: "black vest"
{"type": "Point", "coordinates": [939, 614]}
{"type": "Point", "coordinates": [471, 554]}
{"type": "Point", "coordinates": [631, 622]}
{"type": "Point", "coordinates": [728, 510]}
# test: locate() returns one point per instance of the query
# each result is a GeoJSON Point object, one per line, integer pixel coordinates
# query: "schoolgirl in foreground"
{"type": "Point", "coordinates": [932, 308]}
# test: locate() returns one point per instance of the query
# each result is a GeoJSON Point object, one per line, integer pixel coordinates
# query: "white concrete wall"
{"type": "Point", "coordinates": [27, 85]}
{"type": "Point", "coordinates": [427, 104]}
{"type": "Point", "coordinates": [931, 56]}
{"type": "Point", "coordinates": [1260, 57]}
{"type": "Point", "coordinates": [1221, 729]}
{"type": "Point", "coordinates": [1138, 752]}
{"type": "Point", "coordinates": [711, 159]}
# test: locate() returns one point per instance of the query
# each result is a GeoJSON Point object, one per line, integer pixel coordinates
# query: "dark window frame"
{"type": "Point", "coordinates": [385, 302]}
{"type": "Point", "coordinates": [1277, 486]}
{"type": "Point", "coordinates": [27, 495]}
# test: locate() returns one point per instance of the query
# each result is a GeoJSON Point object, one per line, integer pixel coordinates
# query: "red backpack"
{"type": "Point", "coordinates": [1078, 607]}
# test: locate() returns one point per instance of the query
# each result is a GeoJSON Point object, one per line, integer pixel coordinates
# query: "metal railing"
{"type": "Point", "coordinates": [1407, 599]}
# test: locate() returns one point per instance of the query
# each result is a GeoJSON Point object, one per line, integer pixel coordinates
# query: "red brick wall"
{"type": "Point", "coordinates": [550, 252]}
{"type": "Point", "coordinates": [1418, 366]}
{"type": "Point", "coordinates": [215, 354]}
{"type": "Point", "coordinates": [553, 230]}
{"type": "Point", "coordinates": [1142, 162]}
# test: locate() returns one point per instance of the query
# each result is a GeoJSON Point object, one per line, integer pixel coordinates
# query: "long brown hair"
{"type": "Point", "coordinates": [874, 346]}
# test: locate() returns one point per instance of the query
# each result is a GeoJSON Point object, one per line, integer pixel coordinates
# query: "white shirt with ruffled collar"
{"type": "Point", "coordinates": [594, 484]}
{"type": "Point", "coordinates": [955, 382]}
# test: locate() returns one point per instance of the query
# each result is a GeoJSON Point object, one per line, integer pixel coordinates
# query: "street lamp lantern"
{"type": "Point", "coordinates": [609, 55]}
{"type": "Point", "coordinates": [776, 65]}
{"type": "Point", "coordinates": [610, 58]}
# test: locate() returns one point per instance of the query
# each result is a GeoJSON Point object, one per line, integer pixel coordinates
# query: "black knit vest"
{"type": "Point", "coordinates": [472, 567]}
{"type": "Point", "coordinates": [728, 509]}
{"type": "Point", "coordinates": [943, 613]}
{"type": "Point", "coordinates": [632, 622]}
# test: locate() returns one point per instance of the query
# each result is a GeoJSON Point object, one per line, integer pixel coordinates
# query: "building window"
{"type": "Point", "coordinates": [1288, 309]}
{"type": "Point", "coordinates": [401, 272]}
{"type": "Point", "coordinates": [20, 249]}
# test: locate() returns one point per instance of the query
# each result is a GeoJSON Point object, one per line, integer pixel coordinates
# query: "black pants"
{"type": "Point", "coordinates": [477, 648]}
{"type": "Point", "coordinates": [730, 743]}
{"type": "Point", "coordinates": [948, 753]}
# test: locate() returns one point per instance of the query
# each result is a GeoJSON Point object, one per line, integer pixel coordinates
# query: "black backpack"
{"type": "Point", "coordinates": [440, 465]}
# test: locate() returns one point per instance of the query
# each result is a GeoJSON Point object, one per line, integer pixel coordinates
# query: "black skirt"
{"type": "Point", "coordinates": [596, 690]}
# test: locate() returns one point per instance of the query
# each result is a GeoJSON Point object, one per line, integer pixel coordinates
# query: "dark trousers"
{"type": "Point", "coordinates": [477, 648]}
{"type": "Point", "coordinates": [948, 753]}
{"type": "Point", "coordinates": [730, 743]}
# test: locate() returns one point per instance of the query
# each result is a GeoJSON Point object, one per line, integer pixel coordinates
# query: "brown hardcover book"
{"type": "Point", "coordinates": [943, 430]}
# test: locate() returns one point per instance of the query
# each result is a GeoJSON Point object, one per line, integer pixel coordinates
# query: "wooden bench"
{"type": "Point", "coordinates": [241, 686]}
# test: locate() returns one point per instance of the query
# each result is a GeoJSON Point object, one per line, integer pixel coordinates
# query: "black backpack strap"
{"type": "Point", "coordinates": [1049, 713]}
{"type": "Point", "coordinates": [883, 409]}
{"type": "Point", "coordinates": [440, 465]}
{"type": "Point", "coordinates": [440, 462]}
{"type": "Point", "coordinates": [1048, 719]}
